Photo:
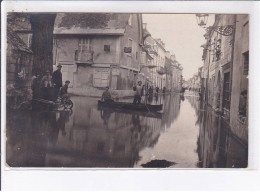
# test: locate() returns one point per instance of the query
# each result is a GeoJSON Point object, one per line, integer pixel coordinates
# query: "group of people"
{"type": "Point", "coordinates": [50, 85]}
{"type": "Point", "coordinates": [139, 89]}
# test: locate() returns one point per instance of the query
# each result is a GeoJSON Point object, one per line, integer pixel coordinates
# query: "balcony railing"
{"type": "Point", "coordinates": [84, 56]}
{"type": "Point", "coordinates": [161, 70]}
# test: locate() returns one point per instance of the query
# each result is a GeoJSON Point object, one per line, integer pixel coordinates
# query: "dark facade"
{"type": "Point", "coordinates": [19, 68]}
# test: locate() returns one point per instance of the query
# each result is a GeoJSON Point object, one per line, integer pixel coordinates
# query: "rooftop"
{"type": "Point", "coordinates": [16, 42]}
{"type": "Point", "coordinates": [91, 23]}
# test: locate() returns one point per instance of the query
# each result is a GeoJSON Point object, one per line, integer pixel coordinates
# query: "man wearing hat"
{"type": "Point", "coordinates": [64, 89]}
{"type": "Point", "coordinates": [138, 93]}
{"type": "Point", "coordinates": [106, 96]}
{"type": "Point", "coordinates": [57, 81]}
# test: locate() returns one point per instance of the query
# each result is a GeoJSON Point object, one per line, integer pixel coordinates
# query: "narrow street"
{"type": "Point", "coordinates": [184, 135]}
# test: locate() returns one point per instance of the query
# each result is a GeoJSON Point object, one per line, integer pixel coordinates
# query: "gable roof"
{"type": "Point", "coordinates": [114, 24]}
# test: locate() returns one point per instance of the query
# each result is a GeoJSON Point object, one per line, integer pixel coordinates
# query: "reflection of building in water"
{"type": "Point", "coordinates": [171, 109]}
{"type": "Point", "coordinates": [217, 147]}
{"type": "Point", "coordinates": [194, 101]}
{"type": "Point", "coordinates": [103, 138]}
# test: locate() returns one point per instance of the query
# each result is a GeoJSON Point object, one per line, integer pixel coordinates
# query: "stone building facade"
{"type": "Point", "coordinates": [173, 73]}
{"type": "Point", "coordinates": [96, 57]}
{"type": "Point", "coordinates": [225, 71]}
{"type": "Point", "coordinates": [160, 69]}
{"type": "Point", "coordinates": [240, 72]}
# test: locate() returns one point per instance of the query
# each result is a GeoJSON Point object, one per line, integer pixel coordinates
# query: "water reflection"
{"type": "Point", "coordinates": [88, 137]}
{"type": "Point", "coordinates": [93, 137]}
{"type": "Point", "coordinates": [217, 146]}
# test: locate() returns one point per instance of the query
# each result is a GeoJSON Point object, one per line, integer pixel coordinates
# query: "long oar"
{"type": "Point", "coordinates": [145, 104]}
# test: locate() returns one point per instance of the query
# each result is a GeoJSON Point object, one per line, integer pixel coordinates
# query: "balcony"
{"type": "Point", "coordinates": [84, 57]}
{"type": "Point", "coordinates": [161, 70]}
{"type": "Point", "coordinates": [153, 52]}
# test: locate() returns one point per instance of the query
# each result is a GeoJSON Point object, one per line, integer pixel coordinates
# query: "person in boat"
{"type": "Point", "coordinates": [106, 96]}
{"type": "Point", "coordinates": [157, 89]}
{"type": "Point", "coordinates": [47, 86]}
{"type": "Point", "coordinates": [150, 90]}
{"type": "Point", "coordinates": [138, 93]}
{"type": "Point", "coordinates": [164, 89]}
{"type": "Point", "coordinates": [57, 81]}
{"type": "Point", "coordinates": [64, 90]}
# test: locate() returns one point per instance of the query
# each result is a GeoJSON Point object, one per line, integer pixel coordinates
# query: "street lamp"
{"type": "Point", "coordinates": [202, 19]}
{"type": "Point", "coordinates": [225, 30]}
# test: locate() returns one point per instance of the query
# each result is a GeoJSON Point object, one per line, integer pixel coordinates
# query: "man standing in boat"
{"type": "Point", "coordinates": [106, 96]}
{"type": "Point", "coordinates": [138, 93]}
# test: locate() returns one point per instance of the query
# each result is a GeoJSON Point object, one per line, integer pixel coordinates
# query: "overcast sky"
{"type": "Point", "coordinates": [182, 36]}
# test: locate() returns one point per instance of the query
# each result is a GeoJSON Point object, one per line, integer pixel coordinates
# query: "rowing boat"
{"type": "Point", "coordinates": [131, 106]}
{"type": "Point", "coordinates": [152, 114]}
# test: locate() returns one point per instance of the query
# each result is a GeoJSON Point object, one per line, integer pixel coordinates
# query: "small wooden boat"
{"type": "Point", "coordinates": [131, 106]}
{"type": "Point", "coordinates": [152, 114]}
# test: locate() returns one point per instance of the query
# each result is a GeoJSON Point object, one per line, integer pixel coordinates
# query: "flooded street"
{"type": "Point", "coordinates": [184, 135]}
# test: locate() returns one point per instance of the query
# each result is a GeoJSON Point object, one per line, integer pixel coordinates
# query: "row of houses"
{"type": "Point", "coordinates": [195, 82]}
{"type": "Point", "coordinates": [116, 55]}
{"type": "Point", "coordinates": [117, 52]}
{"type": "Point", "coordinates": [224, 76]}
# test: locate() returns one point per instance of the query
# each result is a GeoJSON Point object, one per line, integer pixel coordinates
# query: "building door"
{"type": "Point", "coordinates": [226, 91]}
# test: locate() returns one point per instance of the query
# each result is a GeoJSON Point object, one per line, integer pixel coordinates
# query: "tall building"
{"type": "Point", "coordinates": [160, 69]}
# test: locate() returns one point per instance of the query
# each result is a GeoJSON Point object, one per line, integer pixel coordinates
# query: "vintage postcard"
{"type": "Point", "coordinates": [129, 95]}
{"type": "Point", "coordinates": [127, 90]}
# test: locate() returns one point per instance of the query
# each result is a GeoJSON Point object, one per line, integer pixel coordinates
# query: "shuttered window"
{"type": "Point", "coordinates": [101, 77]}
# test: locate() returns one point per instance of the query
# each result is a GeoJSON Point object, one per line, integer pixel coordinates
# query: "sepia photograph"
{"type": "Point", "coordinates": [127, 90]}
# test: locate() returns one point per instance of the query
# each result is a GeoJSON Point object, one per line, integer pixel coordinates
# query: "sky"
{"type": "Point", "coordinates": [182, 36]}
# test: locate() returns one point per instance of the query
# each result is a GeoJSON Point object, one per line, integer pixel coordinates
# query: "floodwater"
{"type": "Point", "coordinates": [184, 135]}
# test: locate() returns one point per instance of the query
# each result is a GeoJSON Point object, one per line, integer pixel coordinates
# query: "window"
{"type": "Point", "coordinates": [101, 77]}
{"type": "Point", "coordinates": [226, 91]}
{"type": "Point", "coordinates": [244, 88]}
{"type": "Point", "coordinates": [218, 49]}
{"type": "Point", "coordinates": [84, 53]}
{"type": "Point", "coordinates": [246, 63]}
{"type": "Point", "coordinates": [107, 48]}
{"type": "Point", "coordinates": [84, 44]}
{"type": "Point", "coordinates": [243, 104]}
{"type": "Point", "coordinates": [130, 44]}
